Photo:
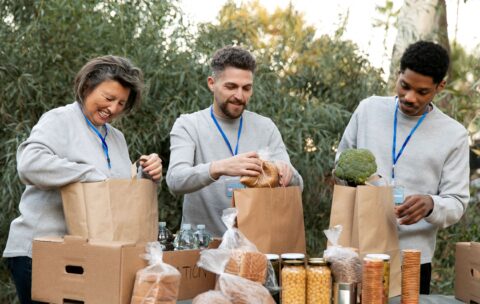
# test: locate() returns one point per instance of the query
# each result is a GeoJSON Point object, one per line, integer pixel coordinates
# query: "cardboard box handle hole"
{"type": "Point", "coordinates": [74, 270]}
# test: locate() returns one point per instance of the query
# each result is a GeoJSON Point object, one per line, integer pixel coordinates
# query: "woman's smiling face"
{"type": "Point", "coordinates": [106, 102]}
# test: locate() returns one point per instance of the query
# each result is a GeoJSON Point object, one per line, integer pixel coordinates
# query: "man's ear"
{"type": "Point", "coordinates": [441, 85]}
{"type": "Point", "coordinates": [211, 82]}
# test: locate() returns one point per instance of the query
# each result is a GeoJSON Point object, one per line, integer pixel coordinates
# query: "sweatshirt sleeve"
{"type": "Point", "coordinates": [450, 203]}
{"type": "Point", "coordinates": [182, 176]}
{"type": "Point", "coordinates": [349, 137]}
{"type": "Point", "coordinates": [279, 152]}
{"type": "Point", "coordinates": [41, 160]}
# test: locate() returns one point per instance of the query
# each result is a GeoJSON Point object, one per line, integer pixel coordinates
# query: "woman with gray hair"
{"type": "Point", "coordinates": [73, 143]}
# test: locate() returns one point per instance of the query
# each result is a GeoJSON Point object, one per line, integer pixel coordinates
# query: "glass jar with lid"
{"type": "Point", "coordinates": [294, 278]}
{"type": "Point", "coordinates": [319, 282]}
{"type": "Point", "coordinates": [274, 259]}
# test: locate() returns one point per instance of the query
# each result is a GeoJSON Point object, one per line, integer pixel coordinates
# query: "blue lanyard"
{"type": "Point", "coordinates": [225, 136]}
{"type": "Point", "coordinates": [102, 138]}
{"type": "Point", "coordinates": [395, 158]}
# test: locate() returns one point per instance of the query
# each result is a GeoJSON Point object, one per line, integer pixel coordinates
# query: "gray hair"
{"type": "Point", "coordinates": [109, 67]}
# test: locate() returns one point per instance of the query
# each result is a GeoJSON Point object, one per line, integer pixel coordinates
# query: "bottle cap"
{"type": "Point", "coordinates": [380, 256]}
{"type": "Point", "coordinates": [186, 226]}
{"type": "Point", "coordinates": [200, 226]}
{"type": "Point", "coordinates": [317, 261]}
{"type": "Point", "coordinates": [293, 256]}
{"type": "Point", "coordinates": [162, 224]}
{"type": "Point", "coordinates": [271, 256]}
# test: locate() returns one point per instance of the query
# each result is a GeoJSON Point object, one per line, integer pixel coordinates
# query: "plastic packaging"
{"type": "Point", "coordinates": [211, 297]}
{"type": "Point", "coordinates": [268, 178]}
{"type": "Point", "coordinates": [186, 240]}
{"type": "Point", "coordinates": [202, 236]}
{"type": "Point", "coordinates": [158, 282]}
{"type": "Point", "coordinates": [345, 263]}
{"type": "Point", "coordinates": [372, 281]}
{"type": "Point", "coordinates": [229, 256]}
{"type": "Point", "coordinates": [165, 237]}
{"type": "Point", "coordinates": [386, 273]}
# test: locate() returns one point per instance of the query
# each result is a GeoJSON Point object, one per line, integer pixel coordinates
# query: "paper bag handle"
{"type": "Point", "coordinates": [136, 165]}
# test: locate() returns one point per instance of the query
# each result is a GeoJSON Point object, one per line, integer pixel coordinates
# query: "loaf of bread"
{"type": "Point", "coordinates": [248, 265]}
{"type": "Point", "coordinates": [155, 288]}
{"type": "Point", "coordinates": [242, 291]}
{"type": "Point", "coordinates": [141, 300]}
{"type": "Point", "coordinates": [211, 297]}
{"type": "Point", "coordinates": [267, 179]}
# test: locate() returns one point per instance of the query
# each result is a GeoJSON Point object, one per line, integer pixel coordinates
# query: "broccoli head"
{"type": "Point", "coordinates": [355, 166]}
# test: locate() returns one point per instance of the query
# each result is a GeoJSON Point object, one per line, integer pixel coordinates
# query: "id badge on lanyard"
{"type": "Point", "coordinates": [232, 184]}
{"type": "Point", "coordinates": [399, 190]}
{"type": "Point", "coordinates": [398, 194]}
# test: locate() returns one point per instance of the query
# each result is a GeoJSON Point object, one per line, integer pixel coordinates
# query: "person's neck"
{"type": "Point", "coordinates": [427, 109]}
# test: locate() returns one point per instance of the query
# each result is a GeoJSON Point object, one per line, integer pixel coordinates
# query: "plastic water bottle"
{"type": "Point", "coordinates": [202, 236]}
{"type": "Point", "coordinates": [186, 239]}
{"type": "Point", "coordinates": [165, 237]}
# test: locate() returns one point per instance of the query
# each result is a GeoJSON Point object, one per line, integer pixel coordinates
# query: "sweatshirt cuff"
{"type": "Point", "coordinates": [435, 214]}
{"type": "Point", "coordinates": [205, 172]}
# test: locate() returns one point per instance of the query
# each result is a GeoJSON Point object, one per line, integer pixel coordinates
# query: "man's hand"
{"type": "Point", "coordinates": [152, 165]}
{"type": "Point", "coordinates": [285, 172]}
{"type": "Point", "coordinates": [414, 208]}
{"type": "Point", "coordinates": [245, 164]}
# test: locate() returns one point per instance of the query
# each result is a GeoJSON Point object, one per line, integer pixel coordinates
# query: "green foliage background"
{"type": "Point", "coordinates": [308, 85]}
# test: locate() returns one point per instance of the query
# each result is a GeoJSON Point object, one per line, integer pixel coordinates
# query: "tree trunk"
{"type": "Point", "coordinates": [418, 20]}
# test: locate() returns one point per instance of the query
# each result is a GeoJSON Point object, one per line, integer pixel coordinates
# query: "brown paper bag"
{"type": "Point", "coordinates": [112, 210]}
{"type": "Point", "coordinates": [374, 229]}
{"type": "Point", "coordinates": [343, 206]}
{"type": "Point", "coordinates": [271, 218]}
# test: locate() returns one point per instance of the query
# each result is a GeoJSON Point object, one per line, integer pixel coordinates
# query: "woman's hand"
{"type": "Point", "coordinates": [152, 165]}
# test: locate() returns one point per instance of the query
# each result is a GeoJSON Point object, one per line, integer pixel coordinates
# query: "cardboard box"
{"type": "Point", "coordinates": [467, 272]}
{"type": "Point", "coordinates": [93, 271]}
{"type": "Point", "coordinates": [475, 272]}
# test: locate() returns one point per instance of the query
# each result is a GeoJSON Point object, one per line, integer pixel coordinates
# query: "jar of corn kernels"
{"type": "Point", "coordinates": [294, 279]}
{"type": "Point", "coordinates": [319, 282]}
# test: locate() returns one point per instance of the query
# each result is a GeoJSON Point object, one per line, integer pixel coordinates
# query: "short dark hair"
{"type": "Point", "coordinates": [110, 67]}
{"type": "Point", "coordinates": [232, 56]}
{"type": "Point", "coordinates": [426, 58]}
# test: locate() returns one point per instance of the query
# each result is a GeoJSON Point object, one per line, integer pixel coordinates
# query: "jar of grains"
{"type": "Point", "coordinates": [274, 259]}
{"type": "Point", "coordinates": [319, 282]}
{"type": "Point", "coordinates": [294, 279]}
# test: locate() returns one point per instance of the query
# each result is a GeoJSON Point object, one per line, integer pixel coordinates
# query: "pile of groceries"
{"type": "Point", "coordinates": [245, 275]}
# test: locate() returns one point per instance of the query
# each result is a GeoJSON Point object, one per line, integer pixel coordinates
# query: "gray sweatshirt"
{"type": "Point", "coordinates": [435, 162]}
{"type": "Point", "coordinates": [61, 149]}
{"type": "Point", "coordinates": [195, 142]}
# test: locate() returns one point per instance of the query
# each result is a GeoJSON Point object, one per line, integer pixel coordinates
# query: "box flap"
{"type": "Point", "coordinates": [112, 244]}
{"type": "Point", "coordinates": [74, 239]}
{"type": "Point", "coordinates": [52, 239]}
